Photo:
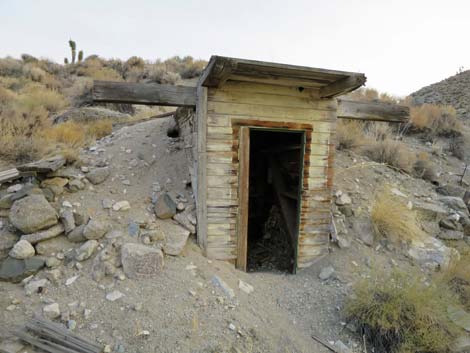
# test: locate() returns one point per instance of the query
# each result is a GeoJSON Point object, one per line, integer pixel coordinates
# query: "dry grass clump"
{"type": "Point", "coordinates": [371, 94]}
{"type": "Point", "coordinates": [69, 133]}
{"type": "Point", "coordinates": [349, 134]}
{"type": "Point", "coordinates": [398, 313]}
{"type": "Point", "coordinates": [392, 219]}
{"type": "Point", "coordinates": [391, 152]}
{"type": "Point", "coordinates": [457, 277]}
{"type": "Point", "coordinates": [100, 128]}
{"type": "Point", "coordinates": [436, 119]}
{"type": "Point", "coordinates": [424, 168]}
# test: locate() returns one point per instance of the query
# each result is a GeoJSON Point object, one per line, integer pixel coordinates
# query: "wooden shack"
{"type": "Point", "coordinates": [262, 136]}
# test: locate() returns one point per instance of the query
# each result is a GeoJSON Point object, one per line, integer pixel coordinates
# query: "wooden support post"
{"type": "Point", "coordinates": [244, 197]}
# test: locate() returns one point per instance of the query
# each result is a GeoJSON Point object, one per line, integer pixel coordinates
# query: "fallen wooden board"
{"type": "Point", "coordinates": [44, 165]}
{"type": "Point", "coordinates": [12, 174]}
{"type": "Point", "coordinates": [54, 338]}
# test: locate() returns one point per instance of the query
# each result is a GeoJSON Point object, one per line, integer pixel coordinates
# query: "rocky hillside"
{"type": "Point", "coordinates": [454, 91]}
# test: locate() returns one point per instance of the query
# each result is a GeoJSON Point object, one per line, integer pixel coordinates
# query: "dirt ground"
{"type": "Point", "coordinates": [182, 309]}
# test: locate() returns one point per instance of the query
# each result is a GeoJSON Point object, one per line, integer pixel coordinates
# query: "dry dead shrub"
{"type": "Point", "coordinates": [103, 74]}
{"type": "Point", "coordinates": [100, 128]}
{"type": "Point", "coordinates": [69, 134]}
{"type": "Point", "coordinates": [349, 134]}
{"type": "Point", "coordinates": [424, 168]}
{"type": "Point", "coordinates": [398, 313]}
{"type": "Point", "coordinates": [34, 96]}
{"type": "Point", "coordinates": [11, 67]}
{"type": "Point", "coordinates": [391, 152]}
{"type": "Point", "coordinates": [458, 146]}
{"type": "Point", "coordinates": [371, 94]}
{"type": "Point", "coordinates": [457, 277]}
{"type": "Point", "coordinates": [378, 131]}
{"type": "Point", "coordinates": [436, 119]}
{"type": "Point", "coordinates": [392, 219]}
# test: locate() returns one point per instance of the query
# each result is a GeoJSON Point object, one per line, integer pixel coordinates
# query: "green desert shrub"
{"type": "Point", "coordinates": [398, 313]}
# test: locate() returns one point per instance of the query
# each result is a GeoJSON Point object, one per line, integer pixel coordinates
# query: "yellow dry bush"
{"type": "Point", "coordinates": [100, 128]}
{"type": "Point", "coordinates": [69, 134]}
{"type": "Point", "coordinates": [391, 152]}
{"type": "Point", "coordinates": [349, 134]}
{"type": "Point", "coordinates": [35, 95]}
{"type": "Point", "coordinates": [103, 74]}
{"type": "Point", "coordinates": [457, 277]}
{"type": "Point", "coordinates": [392, 219]}
{"type": "Point", "coordinates": [6, 96]}
{"type": "Point", "coordinates": [400, 314]}
{"type": "Point", "coordinates": [438, 119]}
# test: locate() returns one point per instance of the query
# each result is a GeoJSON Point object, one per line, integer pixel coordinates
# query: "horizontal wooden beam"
{"type": "Point", "coordinates": [144, 93]}
{"type": "Point", "coordinates": [372, 111]}
{"type": "Point", "coordinates": [343, 86]}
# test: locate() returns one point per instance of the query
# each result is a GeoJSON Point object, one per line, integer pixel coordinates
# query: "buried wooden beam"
{"type": "Point", "coordinates": [372, 111]}
{"type": "Point", "coordinates": [143, 93]}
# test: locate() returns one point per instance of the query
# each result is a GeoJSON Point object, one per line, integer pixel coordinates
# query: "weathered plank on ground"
{"type": "Point", "coordinates": [44, 165]}
{"type": "Point", "coordinates": [144, 93]}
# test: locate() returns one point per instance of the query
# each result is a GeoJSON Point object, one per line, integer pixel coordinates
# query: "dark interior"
{"type": "Point", "coordinates": [275, 166]}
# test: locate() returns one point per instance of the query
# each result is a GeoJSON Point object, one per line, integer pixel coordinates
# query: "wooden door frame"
{"type": "Point", "coordinates": [244, 190]}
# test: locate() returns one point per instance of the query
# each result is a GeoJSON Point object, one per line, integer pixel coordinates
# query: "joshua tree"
{"type": "Point", "coordinates": [73, 48]}
{"type": "Point", "coordinates": [80, 56]}
{"type": "Point", "coordinates": [66, 61]}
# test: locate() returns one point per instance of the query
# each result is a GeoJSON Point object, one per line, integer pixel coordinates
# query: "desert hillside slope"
{"type": "Point", "coordinates": [454, 91]}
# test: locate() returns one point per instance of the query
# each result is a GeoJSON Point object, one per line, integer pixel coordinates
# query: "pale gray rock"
{"type": "Point", "coordinates": [141, 260]}
{"type": "Point", "coordinates": [96, 229]}
{"type": "Point", "coordinates": [54, 246]}
{"type": "Point", "coordinates": [68, 220]}
{"type": "Point", "coordinates": [32, 213]}
{"type": "Point", "coordinates": [76, 235]}
{"type": "Point", "coordinates": [50, 233]}
{"type": "Point", "coordinates": [175, 237]}
{"type": "Point", "coordinates": [85, 251]}
{"type": "Point", "coordinates": [326, 273]}
{"type": "Point", "coordinates": [33, 286]}
{"type": "Point", "coordinates": [98, 175]}
{"type": "Point", "coordinates": [22, 250]}
{"type": "Point", "coordinates": [51, 311]}
{"type": "Point", "coordinates": [165, 207]}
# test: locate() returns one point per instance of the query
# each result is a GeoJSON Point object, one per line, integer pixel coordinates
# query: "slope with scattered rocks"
{"type": "Point", "coordinates": [113, 260]}
{"type": "Point", "coordinates": [454, 91]}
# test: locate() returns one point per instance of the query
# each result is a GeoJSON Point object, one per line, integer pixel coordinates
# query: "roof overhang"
{"type": "Point", "coordinates": [329, 83]}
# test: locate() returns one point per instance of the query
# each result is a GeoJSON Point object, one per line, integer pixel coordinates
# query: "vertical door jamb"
{"type": "Point", "coordinates": [244, 195]}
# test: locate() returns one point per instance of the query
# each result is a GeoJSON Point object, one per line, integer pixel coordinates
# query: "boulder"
{"type": "Point", "coordinates": [175, 237]}
{"type": "Point", "coordinates": [7, 241]}
{"type": "Point", "coordinates": [459, 317]}
{"type": "Point", "coordinates": [27, 190]}
{"type": "Point", "coordinates": [165, 207]}
{"type": "Point", "coordinates": [51, 311]}
{"type": "Point", "coordinates": [95, 229]}
{"type": "Point", "coordinates": [326, 273]}
{"type": "Point", "coordinates": [430, 211]}
{"type": "Point", "coordinates": [450, 190]}
{"type": "Point", "coordinates": [450, 223]}
{"type": "Point", "coordinates": [32, 214]}
{"type": "Point", "coordinates": [80, 217]}
{"type": "Point", "coordinates": [68, 220]}
{"type": "Point", "coordinates": [455, 203]}
{"type": "Point", "coordinates": [6, 201]}
{"type": "Point", "coordinates": [433, 253]}
{"type": "Point", "coordinates": [98, 175]}
{"type": "Point", "coordinates": [33, 286]}
{"type": "Point", "coordinates": [76, 235]}
{"type": "Point", "coordinates": [56, 185]}
{"type": "Point", "coordinates": [15, 270]}
{"type": "Point", "coordinates": [451, 235]}
{"type": "Point", "coordinates": [141, 261]}
{"type": "Point", "coordinates": [50, 233]}
{"type": "Point", "coordinates": [183, 220]}
{"type": "Point", "coordinates": [22, 250]}
{"type": "Point", "coordinates": [343, 199]}
{"type": "Point", "coordinates": [76, 185]}
{"type": "Point", "coordinates": [53, 246]}
{"type": "Point", "coordinates": [85, 251]}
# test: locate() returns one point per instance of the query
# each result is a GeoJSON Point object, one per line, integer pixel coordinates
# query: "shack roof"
{"type": "Point", "coordinates": [330, 83]}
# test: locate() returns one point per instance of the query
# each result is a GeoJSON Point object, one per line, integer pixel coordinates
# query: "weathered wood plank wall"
{"type": "Point", "coordinates": [239, 104]}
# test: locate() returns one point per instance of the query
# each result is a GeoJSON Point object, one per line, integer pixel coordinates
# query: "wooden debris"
{"type": "Point", "coordinates": [324, 343]}
{"type": "Point", "coordinates": [44, 165]}
{"type": "Point", "coordinates": [54, 338]}
{"type": "Point", "coordinates": [8, 175]}
{"type": "Point", "coordinates": [12, 174]}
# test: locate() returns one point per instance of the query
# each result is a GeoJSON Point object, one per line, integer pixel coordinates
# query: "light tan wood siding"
{"type": "Point", "coordinates": [238, 104]}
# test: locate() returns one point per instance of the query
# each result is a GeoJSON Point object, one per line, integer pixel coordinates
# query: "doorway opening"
{"type": "Point", "coordinates": [274, 189]}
